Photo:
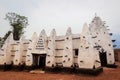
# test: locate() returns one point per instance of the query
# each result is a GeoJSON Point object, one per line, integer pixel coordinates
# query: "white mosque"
{"type": "Point", "coordinates": [90, 50]}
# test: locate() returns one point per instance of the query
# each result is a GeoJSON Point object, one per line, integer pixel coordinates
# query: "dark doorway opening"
{"type": "Point", "coordinates": [103, 58]}
{"type": "Point", "coordinates": [76, 52]}
{"type": "Point", "coordinates": [39, 61]}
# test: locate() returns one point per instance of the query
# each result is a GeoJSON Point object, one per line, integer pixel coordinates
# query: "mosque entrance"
{"type": "Point", "coordinates": [103, 58]}
{"type": "Point", "coordinates": [39, 61]}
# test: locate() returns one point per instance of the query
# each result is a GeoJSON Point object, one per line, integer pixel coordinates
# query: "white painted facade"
{"type": "Point", "coordinates": [71, 50]}
{"type": "Point", "coordinates": [102, 38]}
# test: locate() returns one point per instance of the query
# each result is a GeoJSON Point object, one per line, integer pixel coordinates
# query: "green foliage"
{"type": "Point", "coordinates": [6, 35]}
{"type": "Point", "coordinates": [2, 40]}
{"type": "Point", "coordinates": [18, 23]}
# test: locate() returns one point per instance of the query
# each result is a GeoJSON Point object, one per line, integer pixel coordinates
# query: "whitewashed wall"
{"type": "Point", "coordinates": [60, 50]}
{"type": "Point", "coordinates": [51, 52]}
{"type": "Point", "coordinates": [31, 48]}
{"type": "Point", "coordinates": [102, 38]}
{"type": "Point", "coordinates": [20, 55]}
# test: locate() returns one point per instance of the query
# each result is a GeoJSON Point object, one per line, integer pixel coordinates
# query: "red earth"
{"type": "Point", "coordinates": [107, 74]}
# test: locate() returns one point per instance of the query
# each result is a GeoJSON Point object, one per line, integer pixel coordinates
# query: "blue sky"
{"type": "Point", "coordinates": [61, 14]}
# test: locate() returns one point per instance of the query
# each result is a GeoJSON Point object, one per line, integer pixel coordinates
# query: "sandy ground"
{"type": "Point", "coordinates": [107, 74]}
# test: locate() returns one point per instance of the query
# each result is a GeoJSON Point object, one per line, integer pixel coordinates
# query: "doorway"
{"type": "Point", "coordinates": [39, 61]}
{"type": "Point", "coordinates": [76, 52]}
{"type": "Point", "coordinates": [75, 55]}
{"type": "Point", "coordinates": [103, 58]}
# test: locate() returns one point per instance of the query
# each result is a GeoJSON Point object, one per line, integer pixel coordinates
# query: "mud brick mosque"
{"type": "Point", "coordinates": [90, 50]}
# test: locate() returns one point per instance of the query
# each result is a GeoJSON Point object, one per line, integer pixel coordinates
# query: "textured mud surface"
{"type": "Point", "coordinates": [107, 74]}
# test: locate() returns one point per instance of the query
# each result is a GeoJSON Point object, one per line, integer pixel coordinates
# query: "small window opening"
{"type": "Point", "coordinates": [67, 38]}
{"type": "Point", "coordinates": [83, 36]}
{"type": "Point", "coordinates": [109, 44]}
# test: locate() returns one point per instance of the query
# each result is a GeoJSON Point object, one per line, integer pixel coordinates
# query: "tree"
{"type": "Point", "coordinates": [2, 39]}
{"type": "Point", "coordinates": [18, 24]}
{"type": "Point", "coordinates": [6, 35]}
{"type": "Point", "coordinates": [0, 42]}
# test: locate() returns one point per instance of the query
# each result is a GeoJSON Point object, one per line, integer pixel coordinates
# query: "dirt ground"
{"type": "Point", "coordinates": [107, 74]}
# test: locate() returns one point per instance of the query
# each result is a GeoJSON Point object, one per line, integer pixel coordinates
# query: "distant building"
{"type": "Point", "coordinates": [117, 55]}
{"type": "Point", "coordinates": [116, 46]}
{"type": "Point", "coordinates": [89, 50]}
